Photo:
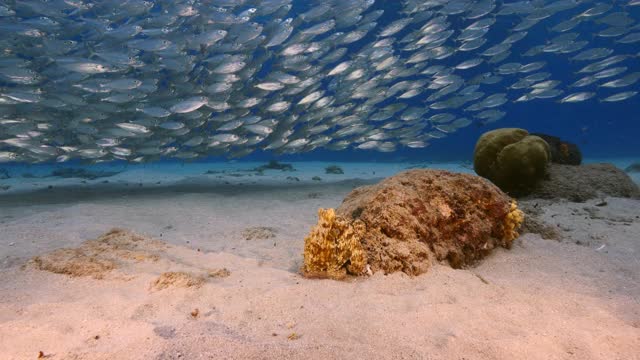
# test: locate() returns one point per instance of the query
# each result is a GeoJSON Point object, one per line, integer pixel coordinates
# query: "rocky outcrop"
{"type": "Point", "coordinates": [633, 168]}
{"type": "Point", "coordinates": [584, 182]}
{"type": "Point", "coordinates": [409, 221]}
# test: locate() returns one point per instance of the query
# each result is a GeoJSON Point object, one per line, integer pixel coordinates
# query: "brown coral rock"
{"type": "Point", "coordinates": [419, 216]}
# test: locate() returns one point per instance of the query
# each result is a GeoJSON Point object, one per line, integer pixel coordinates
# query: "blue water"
{"type": "Point", "coordinates": [601, 130]}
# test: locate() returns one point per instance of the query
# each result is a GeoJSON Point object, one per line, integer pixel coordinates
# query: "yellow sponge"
{"type": "Point", "coordinates": [333, 248]}
{"type": "Point", "coordinates": [512, 223]}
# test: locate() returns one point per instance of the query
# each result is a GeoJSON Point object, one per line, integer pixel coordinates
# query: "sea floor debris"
{"type": "Point", "coordinates": [259, 233]}
{"type": "Point", "coordinates": [119, 254]}
{"type": "Point", "coordinates": [97, 258]}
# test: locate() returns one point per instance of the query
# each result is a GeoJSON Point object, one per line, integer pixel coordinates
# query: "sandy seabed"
{"type": "Point", "coordinates": [214, 275]}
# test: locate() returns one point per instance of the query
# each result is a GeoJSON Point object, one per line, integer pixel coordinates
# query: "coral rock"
{"type": "Point", "coordinates": [408, 221]}
{"type": "Point", "coordinates": [512, 159]}
{"type": "Point", "coordinates": [584, 182]}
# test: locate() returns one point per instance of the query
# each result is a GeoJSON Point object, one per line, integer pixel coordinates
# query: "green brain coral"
{"type": "Point", "coordinates": [512, 159]}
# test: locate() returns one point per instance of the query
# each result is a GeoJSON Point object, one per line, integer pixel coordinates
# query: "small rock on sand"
{"type": "Point", "coordinates": [177, 279]}
{"type": "Point", "coordinates": [219, 273]}
{"type": "Point", "coordinates": [259, 233]}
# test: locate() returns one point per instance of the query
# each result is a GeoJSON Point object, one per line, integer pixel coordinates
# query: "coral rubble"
{"type": "Point", "coordinates": [408, 221]}
{"type": "Point", "coordinates": [96, 258]}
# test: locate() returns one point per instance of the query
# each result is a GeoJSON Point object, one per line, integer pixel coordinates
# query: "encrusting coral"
{"type": "Point", "coordinates": [407, 222]}
{"type": "Point", "coordinates": [333, 248]}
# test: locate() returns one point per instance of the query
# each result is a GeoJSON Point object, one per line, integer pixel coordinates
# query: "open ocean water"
{"type": "Point", "coordinates": [94, 84]}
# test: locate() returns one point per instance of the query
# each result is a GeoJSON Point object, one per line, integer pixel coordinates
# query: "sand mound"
{"type": "Point", "coordinates": [97, 257]}
{"type": "Point", "coordinates": [259, 233]}
{"type": "Point", "coordinates": [409, 220]}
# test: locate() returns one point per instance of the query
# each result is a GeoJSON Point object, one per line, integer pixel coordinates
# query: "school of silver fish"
{"type": "Point", "coordinates": [140, 80]}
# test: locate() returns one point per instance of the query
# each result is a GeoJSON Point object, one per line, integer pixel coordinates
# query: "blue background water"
{"type": "Point", "coordinates": [600, 129]}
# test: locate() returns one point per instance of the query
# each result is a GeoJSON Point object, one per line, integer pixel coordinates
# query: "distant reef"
{"type": "Point", "coordinates": [78, 173]}
{"type": "Point", "coordinates": [584, 182]}
{"type": "Point", "coordinates": [333, 169]}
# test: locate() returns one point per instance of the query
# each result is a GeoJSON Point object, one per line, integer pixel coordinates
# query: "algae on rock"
{"type": "Point", "coordinates": [409, 221]}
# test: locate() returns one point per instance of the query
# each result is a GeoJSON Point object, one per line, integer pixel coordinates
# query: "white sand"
{"type": "Point", "coordinates": [543, 299]}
